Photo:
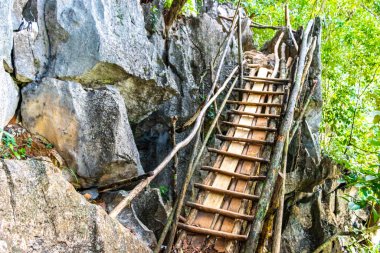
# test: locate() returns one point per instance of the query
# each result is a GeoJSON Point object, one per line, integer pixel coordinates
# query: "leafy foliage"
{"type": "Point", "coordinates": [9, 147]}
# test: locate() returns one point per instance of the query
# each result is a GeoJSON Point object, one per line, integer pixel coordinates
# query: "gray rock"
{"type": "Point", "coordinates": [41, 212]}
{"type": "Point", "coordinates": [6, 38]}
{"type": "Point", "coordinates": [91, 39]}
{"type": "Point", "coordinates": [26, 66]}
{"type": "Point", "coordinates": [312, 218]}
{"type": "Point", "coordinates": [9, 97]}
{"type": "Point", "coordinates": [89, 128]}
{"type": "Point", "coordinates": [146, 217]}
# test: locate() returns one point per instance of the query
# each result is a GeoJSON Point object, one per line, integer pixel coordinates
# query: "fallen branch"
{"type": "Point", "coordinates": [141, 186]}
{"type": "Point", "coordinates": [303, 112]}
{"type": "Point", "coordinates": [276, 245]}
{"type": "Point", "coordinates": [175, 163]}
{"type": "Point", "coordinates": [276, 56]}
{"type": "Point", "coordinates": [275, 165]}
{"type": "Point", "coordinates": [240, 48]}
{"type": "Point", "coordinates": [289, 27]}
{"type": "Point", "coordinates": [122, 183]}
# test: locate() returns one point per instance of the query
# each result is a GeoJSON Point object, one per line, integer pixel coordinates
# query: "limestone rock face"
{"type": "Point", "coordinates": [314, 217]}
{"type": "Point", "coordinates": [9, 97]}
{"type": "Point", "coordinates": [26, 66]}
{"type": "Point", "coordinates": [95, 43]}
{"type": "Point", "coordinates": [8, 90]}
{"type": "Point", "coordinates": [6, 38]}
{"type": "Point", "coordinates": [41, 212]}
{"type": "Point", "coordinates": [89, 128]}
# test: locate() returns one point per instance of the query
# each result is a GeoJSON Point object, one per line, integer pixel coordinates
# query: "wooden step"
{"type": "Point", "coordinates": [233, 174]}
{"type": "Point", "coordinates": [206, 231]}
{"type": "Point", "coordinates": [246, 140]}
{"type": "Point", "coordinates": [281, 80]}
{"type": "Point", "coordinates": [229, 193]}
{"type": "Point", "coordinates": [269, 129]}
{"type": "Point", "coordinates": [258, 115]}
{"type": "Point", "coordinates": [238, 156]}
{"type": "Point", "coordinates": [260, 92]}
{"type": "Point", "coordinates": [253, 103]}
{"type": "Point", "coordinates": [223, 212]}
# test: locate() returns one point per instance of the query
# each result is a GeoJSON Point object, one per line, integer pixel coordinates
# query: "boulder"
{"type": "Point", "coordinates": [9, 97]}
{"type": "Point", "coordinates": [312, 218]}
{"type": "Point", "coordinates": [89, 127]}
{"type": "Point", "coordinates": [146, 217]}
{"type": "Point", "coordinates": [91, 39]}
{"type": "Point", "coordinates": [42, 212]}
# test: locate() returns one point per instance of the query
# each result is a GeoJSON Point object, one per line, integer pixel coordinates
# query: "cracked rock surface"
{"type": "Point", "coordinates": [42, 212]}
{"type": "Point", "coordinates": [89, 128]}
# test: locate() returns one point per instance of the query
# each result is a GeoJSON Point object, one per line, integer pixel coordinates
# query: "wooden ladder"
{"type": "Point", "coordinates": [225, 204]}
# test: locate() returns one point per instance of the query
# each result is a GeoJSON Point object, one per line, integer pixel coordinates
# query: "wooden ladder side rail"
{"type": "Point", "coordinates": [223, 212]}
{"type": "Point", "coordinates": [233, 174]}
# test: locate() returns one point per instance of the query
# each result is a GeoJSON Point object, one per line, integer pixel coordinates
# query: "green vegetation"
{"type": "Point", "coordinates": [9, 147]}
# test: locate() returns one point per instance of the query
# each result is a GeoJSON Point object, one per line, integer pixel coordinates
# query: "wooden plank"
{"type": "Point", "coordinates": [259, 92]}
{"type": "Point", "coordinates": [220, 211]}
{"type": "Point", "coordinates": [258, 115]}
{"type": "Point", "coordinates": [234, 174]}
{"type": "Point", "coordinates": [234, 194]}
{"type": "Point", "coordinates": [245, 140]}
{"type": "Point", "coordinates": [206, 231]}
{"type": "Point", "coordinates": [261, 128]}
{"type": "Point", "coordinates": [253, 103]}
{"type": "Point", "coordinates": [237, 156]}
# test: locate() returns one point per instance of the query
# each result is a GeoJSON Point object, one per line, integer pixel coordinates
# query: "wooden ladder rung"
{"type": "Point", "coordinates": [272, 129]}
{"type": "Point", "coordinates": [260, 92]}
{"type": "Point", "coordinates": [234, 194]}
{"type": "Point", "coordinates": [206, 231]}
{"type": "Point", "coordinates": [234, 174]}
{"type": "Point", "coordinates": [223, 212]}
{"type": "Point", "coordinates": [262, 115]}
{"type": "Point", "coordinates": [253, 103]}
{"type": "Point", "coordinates": [268, 79]}
{"type": "Point", "coordinates": [246, 140]}
{"type": "Point", "coordinates": [242, 157]}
